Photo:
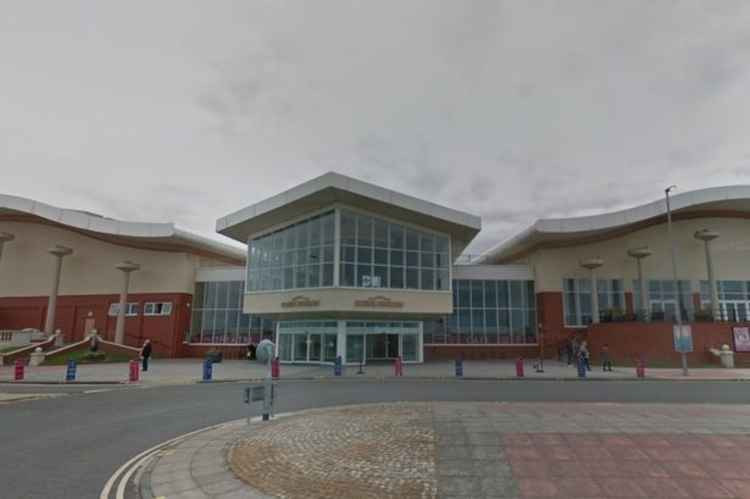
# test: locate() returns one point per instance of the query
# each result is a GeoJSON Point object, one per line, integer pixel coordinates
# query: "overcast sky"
{"type": "Point", "coordinates": [185, 111]}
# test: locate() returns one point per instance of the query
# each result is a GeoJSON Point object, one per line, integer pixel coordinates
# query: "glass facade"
{"type": "Point", "coordinates": [217, 316]}
{"type": "Point", "coordinates": [308, 341]}
{"type": "Point", "coordinates": [493, 312]}
{"type": "Point", "coordinates": [734, 299]}
{"type": "Point", "coordinates": [295, 257]}
{"type": "Point", "coordinates": [578, 304]}
{"type": "Point", "coordinates": [380, 254]}
{"type": "Point", "coordinates": [663, 299]}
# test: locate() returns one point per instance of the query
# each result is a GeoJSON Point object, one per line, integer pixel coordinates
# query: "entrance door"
{"type": "Point", "coordinates": [392, 350]}
{"type": "Point", "coordinates": [315, 348]}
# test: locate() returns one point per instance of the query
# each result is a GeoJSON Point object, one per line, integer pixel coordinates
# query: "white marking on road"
{"type": "Point", "coordinates": [100, 390]}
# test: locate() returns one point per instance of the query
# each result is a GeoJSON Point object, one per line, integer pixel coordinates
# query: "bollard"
{"type": "Point", "coordinates": [519, 367]}
{"type": "Point", "coordinates": [208, 369]}
{"type": "Point", "coordinates": [398, 367]}
{"type": "Point", "coordinates": [640, 368]}
{"type": "Point", "coordinates": [19, 370]}
{"type": "Point", "coordinates": [70, 372]}
{"type": "Point", "coordinates": [134, 371]}
{"type": "Point", "coordinates": [581, 367]}
{"type": "Point", "coordinates": [459, 368]}
{"type": "Point", "coordinates": [337, 366]}
{"type": "Point", "coordinates": [275, 368]}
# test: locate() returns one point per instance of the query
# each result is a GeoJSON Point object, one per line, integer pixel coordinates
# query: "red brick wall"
{"type": "Point", "coordinates": [474, 352]}
{"type": "Point", "coordinates": [627, 340]}
{"type": "Point", "coordinates": [166, 332]}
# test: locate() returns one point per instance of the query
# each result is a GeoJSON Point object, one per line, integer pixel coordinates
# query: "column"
{"type": "Point", "coordinates": [592, 264]}
{"type": "Point", "coordinates": [639, 254]}
{"type": "Point", "coordinates": [707, 235]}
{"type": "Point", "coordinates": [126, 267]}
{"type": "Point", "coordinates": [59, 252]}
{"type": "Point", "coordinates": [5, 237]}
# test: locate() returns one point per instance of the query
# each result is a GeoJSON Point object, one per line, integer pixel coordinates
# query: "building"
{"type": "Point", "coordinates": [341, 267]}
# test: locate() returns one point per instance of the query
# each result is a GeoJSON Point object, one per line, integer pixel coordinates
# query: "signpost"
{"type": "Point", "coordinates": [683, 338]}
{"type": "Point", "coordinates": [264, 393]}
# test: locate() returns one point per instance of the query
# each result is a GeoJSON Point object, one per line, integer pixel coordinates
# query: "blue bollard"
{"type": "Point", "coordinates": [70, 372]}
{"type": "Point", "coordinates": [337, 366]}
{"type": "Point", "coordinates": [581, 367]}
{"type": "Point", "coordinates": [459, 368]}
{"type": "Point", "coordinates": [208, 368]}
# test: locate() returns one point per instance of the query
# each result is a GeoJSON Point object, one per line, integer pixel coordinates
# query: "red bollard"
{"type": "Point", "coordinates": [275, 368]}
{"type": "Point", "coordinates": [19, 370]}
{"type": "Point", "coordinates": [134, 371]}
{"type": "Point", "coordinates": [519, 367]}
{"type": "Point", "coordinates": [398, 367]}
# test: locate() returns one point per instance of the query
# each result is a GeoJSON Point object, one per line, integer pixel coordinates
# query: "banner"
{"type": "Point", "coordinates": [741, 339]}
{"type": "Point", "coordinates": [683, 339]}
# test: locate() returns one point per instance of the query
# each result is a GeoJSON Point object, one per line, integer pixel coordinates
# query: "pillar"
{"type": "Point", "coordinates": [592, 264]}
{"type": "Point", "coordinates": [59, 252]}
{"type": "Point", "coordinates": [639, 254]}
{"type": "Point", "coordinates": [707, 235]}
{"type": "Point", "coordinates": [126, 267]}
{"type": "Point", "coordinates": [5, 237]}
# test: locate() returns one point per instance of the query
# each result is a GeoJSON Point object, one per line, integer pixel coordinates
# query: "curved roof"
{"type": "Point", "coordinates": [144, 235]}
{"type": "Point", "coordinates": [331, 188]}
{"type": "Point", "coordinates": [733, 201]}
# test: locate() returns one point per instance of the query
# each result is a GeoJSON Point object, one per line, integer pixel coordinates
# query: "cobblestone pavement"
{"type": "Point", "coordinates": [468, 450]}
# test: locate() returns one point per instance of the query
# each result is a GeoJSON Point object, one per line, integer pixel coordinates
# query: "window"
{"type": "Point", "coordinates": [578, 300]}
{"type": "Point", "coordinates": [297, 256]}
{"type": "Point", "coordinates": [130, 310]}
{"type": "Point", "coordinates": [734, 299]}
{"type": "Point", "coordinates": [157, 308]}
{"type": "Point", "coordinates": [487, 312]}
{"type": "Point", "coordinates": [380, 254]}
{"type": "Point", "coordinates": [663, 299]}
{"type": "Point", "coordinates": [217, 315]}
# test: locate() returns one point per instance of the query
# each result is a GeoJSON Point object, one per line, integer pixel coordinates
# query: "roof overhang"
{"type": "Point", "coordinates": [142, 235]}
{"type": "Point", "coordinates": [730, 201]}
{"type": "Point", "coordinates": [332, 188]}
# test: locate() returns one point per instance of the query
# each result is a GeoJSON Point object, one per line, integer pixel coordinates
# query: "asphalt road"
{"type": "Point", "coordinates": [67, 447]}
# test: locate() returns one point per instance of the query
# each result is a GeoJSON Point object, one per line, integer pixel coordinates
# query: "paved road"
{"type": "Point", "coordinates": [67, 447]}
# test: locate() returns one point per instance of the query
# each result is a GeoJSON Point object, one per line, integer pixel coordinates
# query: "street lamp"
{"type": "Point", "coordinates": [683, 355]}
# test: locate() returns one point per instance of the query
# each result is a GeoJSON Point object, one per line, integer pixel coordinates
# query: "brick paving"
{"type": "Point", "coordinates": [470, 450]}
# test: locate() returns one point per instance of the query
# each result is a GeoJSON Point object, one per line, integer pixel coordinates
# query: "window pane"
{"type": "Point", "coordinates": [428, 279]}
{"type": "Point", "coordinates": [348, 254]}
{"type": "Point", "coordinates": [364, 255]}
{"type": "Point", "coordinates": [412, 278]}
{"type": "Point", "coordinates": [221, 294]}
{"type": "Point", "coordinates": [502, 294]}
{"type": "Point", "coordinates": [412, 240]}
{"type": "Point", "coordinates": [463, 294]}
{"type": "Point", "coordinates": [397, 236]}
{"type": "Point", "coordinates": [477, 294]}
{"type": "Point", "coordinates": [397, 257]}
{"type": "Point", "coordinates": [313, 276]}
{"type": "Point", "coordinates": [443, 280]}
{"type": "Point", "coordinates": [381, 256]}
{"type": "Point", "coordinates": [347, 275]}
{"type": "Point", "coordinates": [314, 226]}
{"type": "Point", "coordinates": [328, 254]}
{"type": "Point", "coordinates": [397, 277]}
{"type": "Point", "coordinates": [490, 298]}
{"type": "Point", "coordinates": [441, 244]}
{"type": "Point", "coordinates": [347, 228]}
{"type": "Point", "coordinates": [327, 274]}
{"type": "Point", "coordinates": [300, 273]}
{"type": "Point", "coordinates": [364, 231]}
{"type": "Point", "coordinates": [381, 234]}
{"type": "Point", "coordinates": [364, 276]}
{"type": "Point", "coordinates": [428, 242]}
{"type": "Point", "coordinates": [412, 259]}
{"type": "Point", "coordinates": [516, 297]}
{"type": "Point", "coordinates": [380, 278]}
{"type": "Point", "coordinates": [428, 260]}
{"type": "Point", "coordinates": [327, 223]}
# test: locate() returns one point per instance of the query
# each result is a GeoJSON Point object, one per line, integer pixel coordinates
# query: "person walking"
{"type": "Point", "coordinates": [145, 354]}
{"type": "Point", "coordinates": [584, 353]}
{"type": "Point", "coordinates": [569, 350]}
{"type": "Point", "coordinates": [606, 362]}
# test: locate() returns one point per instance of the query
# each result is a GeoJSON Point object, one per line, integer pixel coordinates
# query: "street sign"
{"type": "Point", "coordinates": [255, 394]}
{"type": "Point", "coordinates": [741, 339]}
{"type": "Point", "coordinates": [683, 338]}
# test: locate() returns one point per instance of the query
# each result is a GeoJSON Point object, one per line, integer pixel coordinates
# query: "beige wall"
{"type": "Point", "coordinates": [731, 255]}
{"type": "Point", "coordinates": [342, 300]}
{"type": "Point", "coordinates": [26, 267]}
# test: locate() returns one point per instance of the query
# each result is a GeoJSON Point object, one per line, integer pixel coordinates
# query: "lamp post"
{"type": "Point", "coordinates": [707, 235]}
{"type": "Point", "coordinates": [59, 252]}
{"type": "Point", "coordinates": [126, 267]}
{"type": "Point", "coordinates": [592, 264]}
{"type": "Point", "coordinates": [639, 254]}
{"type": "Point", "coordinates": [683, 355]}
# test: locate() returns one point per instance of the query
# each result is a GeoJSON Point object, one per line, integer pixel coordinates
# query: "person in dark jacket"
{"type": "Point", "coordinates": [251, 349]}
{"type": "Point", "coordinates": [145, 354]}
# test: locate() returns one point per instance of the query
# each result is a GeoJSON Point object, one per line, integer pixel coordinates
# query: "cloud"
{"type": "Point", "coordinates": [510, 110]}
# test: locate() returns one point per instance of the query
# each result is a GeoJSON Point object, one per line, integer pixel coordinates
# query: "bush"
{"type": "Point", "coordinates": [93, 357]}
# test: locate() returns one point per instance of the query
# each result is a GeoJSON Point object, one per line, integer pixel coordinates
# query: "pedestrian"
{"type": "Point", "coordinates": [575, 348]}
{"type": "Point", "coordinates": [584, 352]}
{"type": "Point", "coordinates": [145, 354]}
{"type": "Point", "coordinates": [251, 350]}
{"type": "Point", "coordinates": [569, 350]}
{"type": "Point", "coordinates": [606, 363]}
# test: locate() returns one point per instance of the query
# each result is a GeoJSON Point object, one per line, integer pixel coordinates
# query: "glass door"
{"type": "Point", "coordinates": [355, 351]}
{"type": "Point", "coordinates": [300, 347]}
{"type": "Point", "coordinates": [315, 348]}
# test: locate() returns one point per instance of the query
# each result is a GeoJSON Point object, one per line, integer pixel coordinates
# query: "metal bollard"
{"type": "Point", "coordinates": [581, 367]}
{"type": "Point", "coordinates": [134, 374]}
{"type": "Point", "coordinates": [337, 366]}
{"type": "Point", "coordinates": [519, 367]}
{"type": "Point", "coordinates": [208, 369]}
{"type": "Point", "coordinates": [459, 368]}
{"type": "Point", "coordinates": [398, 367]}
{"type": "Point", "coordinates": [18, 375]}
{"type": "Point", "coordinates": [275, 368]}
{"type": "Point", "coordinates": [70, 371]}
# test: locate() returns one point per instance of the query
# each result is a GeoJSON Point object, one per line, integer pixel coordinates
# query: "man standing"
{"type": "Point", "coordinates": [145, 354]}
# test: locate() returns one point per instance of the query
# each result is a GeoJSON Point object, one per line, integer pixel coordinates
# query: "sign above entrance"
{"type": "Point", "coordinates": [378, 302]}
{"type": "Point", "coordinates": [300, 302]}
